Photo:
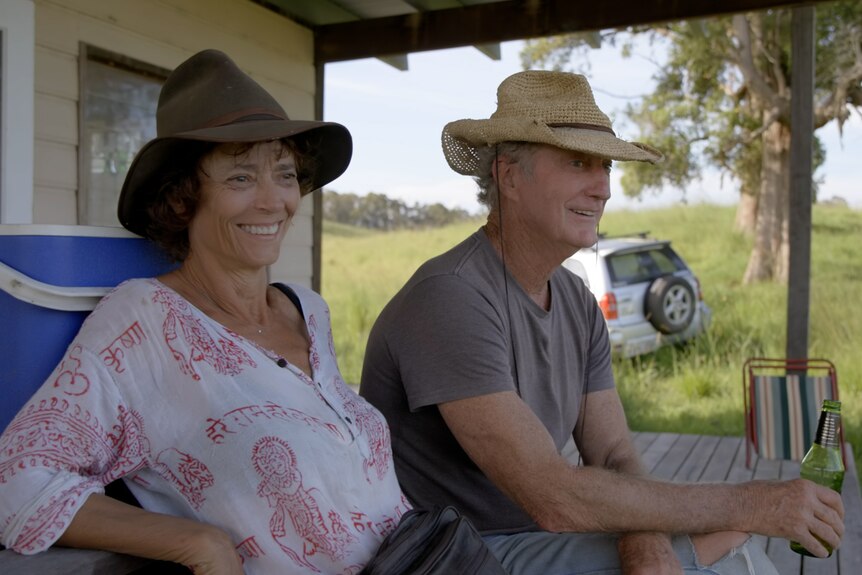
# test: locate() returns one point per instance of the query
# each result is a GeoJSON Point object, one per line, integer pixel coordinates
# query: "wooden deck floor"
{"type": "Point", "coordinates": [670, 456]}
{"type": "Point", "coordinates": [702, 458]}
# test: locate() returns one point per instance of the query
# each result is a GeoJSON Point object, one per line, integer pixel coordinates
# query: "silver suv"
{"type": "Point", "coordinates": [647, 293]}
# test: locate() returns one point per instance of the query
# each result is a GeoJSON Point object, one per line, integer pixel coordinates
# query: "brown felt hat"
{"type": "Point", "coordinates": [208, 98]}
{"type": "Point", "coordinates": [543, 107]}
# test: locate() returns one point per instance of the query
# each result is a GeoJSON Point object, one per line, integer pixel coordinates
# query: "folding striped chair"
{"type": "Point", "coordinates": [782, 399]}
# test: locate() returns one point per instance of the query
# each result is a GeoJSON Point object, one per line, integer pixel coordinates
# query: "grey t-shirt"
{"type": "Point", "coordinates": [448, 335]}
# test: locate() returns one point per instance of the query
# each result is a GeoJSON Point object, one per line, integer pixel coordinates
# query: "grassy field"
{"type": "Point", "coordinates": [695, 389]}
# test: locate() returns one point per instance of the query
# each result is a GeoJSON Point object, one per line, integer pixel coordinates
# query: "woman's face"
{"type": "Point", "coordinates": [247, 199]}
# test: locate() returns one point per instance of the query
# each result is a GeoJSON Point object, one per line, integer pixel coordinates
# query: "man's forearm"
{"type": "Point", "coordinates": [599, 499]}
{"type": "Point", "coordinates": [506, 440]}
{"type": "Point", "coordinates": [641, 551]}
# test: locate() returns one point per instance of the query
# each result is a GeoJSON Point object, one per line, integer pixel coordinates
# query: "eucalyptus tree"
{"type": "Point", "coordinates": [722, 98]}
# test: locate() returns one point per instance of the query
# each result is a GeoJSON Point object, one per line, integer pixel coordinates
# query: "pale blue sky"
{"type": "Point", "coordinates": [396, 119]}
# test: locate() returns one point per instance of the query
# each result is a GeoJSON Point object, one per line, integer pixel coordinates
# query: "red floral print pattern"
{"type": "Point", "coordinates": [224, 355]}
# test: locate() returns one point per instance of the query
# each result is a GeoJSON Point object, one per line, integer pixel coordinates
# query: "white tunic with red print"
{"type": "Point", "coordinates": [203, 423]}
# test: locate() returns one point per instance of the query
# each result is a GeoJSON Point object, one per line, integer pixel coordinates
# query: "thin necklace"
{"type": "Point", "coordinates": [213, 304]}
{"type": "Point", "coordinates": [277, 358]}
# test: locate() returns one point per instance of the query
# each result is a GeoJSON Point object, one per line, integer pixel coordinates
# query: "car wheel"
{"type": "Point", "coordinates": [670, 304]}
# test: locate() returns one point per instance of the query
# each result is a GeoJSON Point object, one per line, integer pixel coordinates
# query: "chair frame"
{"type": "Point", "coordinates": [757, 366]}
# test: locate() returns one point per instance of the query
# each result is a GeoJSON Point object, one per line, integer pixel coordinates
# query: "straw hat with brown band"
{"type": "Point", "coordinates": [208, 98]}
{"type": "Point", "coordinates": [542, 107]}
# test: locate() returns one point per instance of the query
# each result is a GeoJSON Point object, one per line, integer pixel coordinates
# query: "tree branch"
{"type": "Point", "coordinates": [772, 117]}
{"type": "Point", "coordinates": [745, 60]}
{"type": "Point", "coordinates": [846, 91]}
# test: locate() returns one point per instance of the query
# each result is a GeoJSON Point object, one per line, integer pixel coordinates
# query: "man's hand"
{"type": "Point", "coordinates": [798, 510]}
{"type": "Point", "coordinates": [647, 554]}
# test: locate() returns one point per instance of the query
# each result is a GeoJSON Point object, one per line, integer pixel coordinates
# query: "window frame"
{"type": "Point", "coordinates": [90, 53]}
{"type": "Point", "coordinates": [648, 261]}
{"type": "Point", "coordinates": [17, 95]}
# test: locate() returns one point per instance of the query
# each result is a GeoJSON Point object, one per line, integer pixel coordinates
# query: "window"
{"type": "Point", "coordinates": [641, 266]}
{"type": "Point", "coordinates": [118, 116]}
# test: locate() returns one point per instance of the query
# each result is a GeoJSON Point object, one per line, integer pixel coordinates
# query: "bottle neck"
{"type": "Point", "coordinates": [827, 429]}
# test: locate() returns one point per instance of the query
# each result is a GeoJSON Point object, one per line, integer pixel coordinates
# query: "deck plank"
{"type": "Point", "coordinates": [642, 440]}
{"type": "Point", "coordinates": [722, 459]}
{"type": "Point", "coordinates": [674, 457]}
{"type": "Point", "coordinates": [656, 450]}
{"type": "Point", "coordinates": [702, 451]}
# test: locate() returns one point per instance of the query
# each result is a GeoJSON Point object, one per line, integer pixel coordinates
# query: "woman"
{"type": "Point", "coordinates": [214, 395]}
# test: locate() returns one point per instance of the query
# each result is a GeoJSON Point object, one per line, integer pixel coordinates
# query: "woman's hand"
{"type": "Point", "coordinates": [210, 551]}
{"type": "Point", "coordinates": [105, 523]}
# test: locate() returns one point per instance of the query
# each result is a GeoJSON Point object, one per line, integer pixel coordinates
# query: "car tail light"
{"type": "Point", "coordinates": [699, 293]}
{"type": "Point", "coordinates": [608, 304]}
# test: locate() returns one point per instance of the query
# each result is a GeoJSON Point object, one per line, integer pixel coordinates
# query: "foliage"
{"type": "Point", "coordinates": [722, 99]}
{"type": "Point", "coordinates": [702, 106]}
{"type": "Point", "coordinates": [691, 389]}
{"type": "Point", "coordinates": [378, 212]}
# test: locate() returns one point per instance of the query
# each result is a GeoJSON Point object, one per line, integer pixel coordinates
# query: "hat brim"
{"type": "Point", "coordinates": [462, 138]}
{"type": "Point", "coordinates": [332, 141]}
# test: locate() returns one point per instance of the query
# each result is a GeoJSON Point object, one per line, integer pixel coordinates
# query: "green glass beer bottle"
{"type": "Point", "coordinates": [823, 463]}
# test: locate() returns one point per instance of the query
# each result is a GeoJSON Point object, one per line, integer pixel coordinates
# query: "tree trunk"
{"type": "Point", "coordinates": [769, 258]}
{"type": "Point", "coordinates": [746, 212]}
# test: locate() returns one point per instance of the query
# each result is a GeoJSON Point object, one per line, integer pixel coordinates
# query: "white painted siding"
{"type": "Point", "coordinates": [17, 24]}
{"type": "Point", "coordinates": [275, 51]}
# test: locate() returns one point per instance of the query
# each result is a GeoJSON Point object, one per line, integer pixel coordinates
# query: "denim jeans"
{"type": "Point", "coordinates": [543, 553]}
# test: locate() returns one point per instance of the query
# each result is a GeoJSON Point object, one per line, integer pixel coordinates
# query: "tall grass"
{"type": "Point", "coordinates": [363, 269]}
{"type": "Point", "coordinates": [691, 389]}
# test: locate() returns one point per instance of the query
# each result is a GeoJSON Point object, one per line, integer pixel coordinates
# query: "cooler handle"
{"type": "Point", "coordinates": [25, 288]}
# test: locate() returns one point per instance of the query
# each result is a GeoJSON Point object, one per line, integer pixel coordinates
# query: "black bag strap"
{"type": "Point", "coordinates": [291, 295]}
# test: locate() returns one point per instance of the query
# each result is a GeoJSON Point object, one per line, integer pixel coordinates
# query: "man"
{"type": "Point", "coordinates": [493, 356]}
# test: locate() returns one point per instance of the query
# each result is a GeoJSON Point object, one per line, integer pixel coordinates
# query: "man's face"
{"type": "Point", "coordinates": [560, 197]}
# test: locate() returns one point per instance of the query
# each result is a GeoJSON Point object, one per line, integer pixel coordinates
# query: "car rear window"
{"type": "Point", "coordinates": [641, 266]}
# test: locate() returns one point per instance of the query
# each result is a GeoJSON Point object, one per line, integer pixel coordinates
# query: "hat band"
{"type": "Point", "coordinates": [583, 127]}
{"type": "Point", "coordinates": [249, 114]}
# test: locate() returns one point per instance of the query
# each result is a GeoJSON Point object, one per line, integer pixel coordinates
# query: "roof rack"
{"type": "Point", "coordinates": [642, 235]}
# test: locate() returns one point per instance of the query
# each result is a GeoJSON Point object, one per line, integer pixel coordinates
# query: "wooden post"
{"type": "Point", "coordinates": [317, 197]}
{"type": "Point", "coordinates": [799, 217]}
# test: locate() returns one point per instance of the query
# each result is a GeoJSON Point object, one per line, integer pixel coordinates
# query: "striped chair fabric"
{"type": "Point", "coordinates": [786, 413]}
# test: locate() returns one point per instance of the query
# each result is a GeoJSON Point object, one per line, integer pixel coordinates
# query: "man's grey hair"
{"type": "Point", "coordinates": [520, 152]}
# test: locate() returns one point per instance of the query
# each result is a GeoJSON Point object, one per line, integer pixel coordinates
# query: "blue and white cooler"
{"type": "Point", "coordinates": [51, 277]}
